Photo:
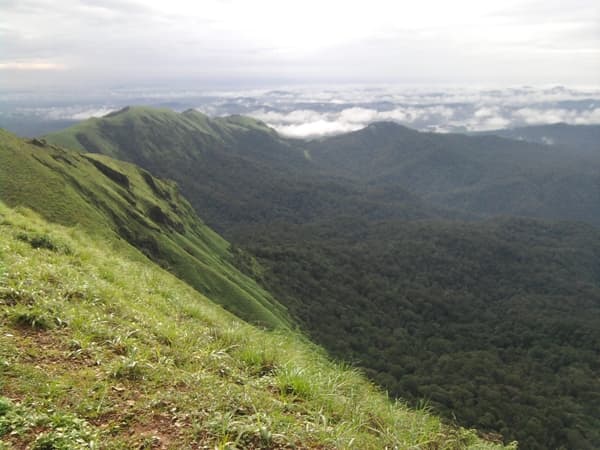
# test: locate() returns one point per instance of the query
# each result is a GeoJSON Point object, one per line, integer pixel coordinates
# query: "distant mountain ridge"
{"type": "Point", "coordinates": [485, 175]}
{"type": "Point", "coordinates": [439, 175]}
{"type": "Point", "coordinates": [583, 139]}
{"type": "Point", "coordinates": [235, 169]}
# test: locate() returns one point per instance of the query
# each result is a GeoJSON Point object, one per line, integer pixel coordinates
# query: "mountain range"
{"type": "Point", "coordinates": [113, 337]}
{"type": "Point", "coordinates": [463, 270]}
{"type": "Point", "coordinates": [383, 171]}
{"type": "Point", "coordinates": [583, 139]}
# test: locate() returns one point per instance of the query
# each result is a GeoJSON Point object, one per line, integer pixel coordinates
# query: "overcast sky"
{"type": "Point", "coordinates": [101, 43]}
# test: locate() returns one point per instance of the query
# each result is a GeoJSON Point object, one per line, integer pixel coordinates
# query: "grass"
{"type": "Point", "coordinates": [131, 357]}
{"type": "Point", "coordinates": [93, 135]}
{"type": "Point", "coordinates": [128, 207]}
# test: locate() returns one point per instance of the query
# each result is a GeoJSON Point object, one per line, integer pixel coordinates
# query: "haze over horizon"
{"type": "Point", "coordinates": [82, 44]}
{"type": "Point", "coordinates": [305, 68]}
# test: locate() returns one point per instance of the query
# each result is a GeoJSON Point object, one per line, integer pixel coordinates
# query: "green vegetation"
{"type": "Point", "coordinates": [582, 139]}
{"type": "Point", "coordinates": [483, 319]}
{"type": "Point", "coordinates": [483, 175]}
{"type": "Point", "coordinates": [126, 205]}
{"type": "Point", "coordinates": [496, 324]}
{"type": "Point", "coordinates": [233, 170]}
{"type": "Point", "coordinates": [100, 349]}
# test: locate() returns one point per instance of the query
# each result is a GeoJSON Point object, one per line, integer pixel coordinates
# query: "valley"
{"type": "Point", "coordinates": [445, 266]}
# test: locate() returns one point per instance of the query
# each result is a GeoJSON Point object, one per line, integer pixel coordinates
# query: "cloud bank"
{"type": "Point", "coordinates": [310, 123]}
{"type": "Point", "coordinates": [310, 112]}
{"type": "Point", "coordinates": [306, 115]}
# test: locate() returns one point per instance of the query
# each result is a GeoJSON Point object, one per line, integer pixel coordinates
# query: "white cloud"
{"type": "Point", "coordinates": [317, 128]}
{"type": "Point", "coordinates": [486, 111]}
{"type": "Point", "coordinates": [326, 110]}
{"type": "Point", "coordinates": [358, 115]}
{"type": "Point", "coordinates": [93, 112]}
{"type": "Point", "coordinates": [294, 117]}
{"type": "Point", "coordinates": [133, 42]}
{"type": "Point", "coordinates": [491, 123]}
{"type": "Point", "coordinates": [534, 116]}
{"type": "Point", "coordinates": [310, 123]}
{"type": "Point", "coordinates": [31, 65]}
{"type": "Point", "coordinates": [76, 112]}
{"type": "Point", "coordinates": [446, 110]}
{"type": "Point", "coordinates": [589, 118]}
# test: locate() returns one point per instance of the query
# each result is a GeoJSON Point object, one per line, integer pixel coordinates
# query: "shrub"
{"type": "Point", "coordinates": [43, 241]}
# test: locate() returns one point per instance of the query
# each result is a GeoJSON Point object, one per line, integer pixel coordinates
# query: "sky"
{"type": "Point", "coordinates": [82, 44]}
{"type": "Point", "coordinates": [313, 111]}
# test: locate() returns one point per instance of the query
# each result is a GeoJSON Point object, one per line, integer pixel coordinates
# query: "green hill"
{"type": "Point", "coordinates": [485, 175]}
{"type": "Point", "coordinates": [102, 349]}
{"type": "Point", "coordinates": [478, 318]}
{"type": "Point", "coordinates": [583, 140]}
{"type": "Point", "coordinates": [122, 203]}
{"type": "Point", "coordinates": [234, 170]}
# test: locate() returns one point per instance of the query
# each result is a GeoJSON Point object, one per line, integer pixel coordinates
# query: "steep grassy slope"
{"type": "Point", "coordinates": [122, 133]}
{"type": "Point", "coordinates": [480, 174]}
{"type": "Point", "coordinates": [234, 170]}
{"type": "Point", "coordinates": [120, 201]}
{"type": "Point", "coordinates": [99, 350]}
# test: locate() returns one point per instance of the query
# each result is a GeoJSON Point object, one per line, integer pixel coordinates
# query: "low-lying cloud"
{"type": "Point", "coordinates": [75, 113]}
{"type": "Point", "coordinates": [454, 110]}
{"type": "Point", "coordinates": [534, 116]}
{"type": "Point", "coordinates": [311, 123]}
{"type": "Point", "coordinates": [303, 112]}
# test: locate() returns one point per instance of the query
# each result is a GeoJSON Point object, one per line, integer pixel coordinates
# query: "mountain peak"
{"type": "Point", "coordinates": [117, 112]}
{"type": "Point", "coordinates": [139, 110]}
{"type": "Point", "coordinates": [388, 125]}
{"type": "Point", "coordinates": [193, 112]}
{"type": "Point", "coordinates": [248, 122]}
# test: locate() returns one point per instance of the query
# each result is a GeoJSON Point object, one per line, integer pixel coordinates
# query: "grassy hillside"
{"type": "Point", "coordinates": [120, 134]}
{"type": "Point", "coordinates": [234, 170]}
{"type": "Point", "coordinates": [125, 204]}
{"type": "Point", "coordinates": [101, 350]}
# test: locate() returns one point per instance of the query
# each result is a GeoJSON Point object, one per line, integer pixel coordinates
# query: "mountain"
{"type": "Point", "coordinates": [485, 175]}
{"type": "Point", "coordinates": [103, 347]}
{"type": "Point", "coordinates": [119, 203]}
{"type": "Point", "coordinates": [385, 171]}
{"type": "Point", "coordinates": [360, 237]}
{"type": "Point", "coordinates": [580, 139]}
{"type": "Point", "coordinates": [234, 169]}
